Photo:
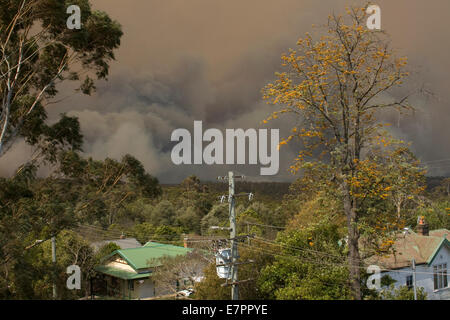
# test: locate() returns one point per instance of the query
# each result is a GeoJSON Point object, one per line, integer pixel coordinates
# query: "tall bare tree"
{"type": "Point", "coordinates": [180, 272]}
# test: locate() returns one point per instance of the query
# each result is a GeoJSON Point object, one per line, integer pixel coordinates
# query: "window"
{"type": "Point", "coordinates": [409, 281]}
{"type": "Point", "coordinates": [444, 275]}
{"type": "Point", "coordinates": [440, 276]}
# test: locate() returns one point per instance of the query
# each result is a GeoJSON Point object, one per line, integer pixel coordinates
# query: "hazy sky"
{"type": "Point", "coordinates": [186, 60]}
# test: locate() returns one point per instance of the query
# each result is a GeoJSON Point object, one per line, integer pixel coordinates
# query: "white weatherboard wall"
{"type": "Point", "coordinates": [424, 276]}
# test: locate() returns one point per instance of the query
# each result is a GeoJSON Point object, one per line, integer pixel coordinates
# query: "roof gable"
{"type": "Point", "coordinates": [444, 242]}
{"type": "Point", "coordinates": [122, 274]}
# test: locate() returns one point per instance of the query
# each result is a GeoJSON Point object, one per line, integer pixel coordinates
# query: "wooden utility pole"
{"type": "Point", "coordinates": [233, 234]}
{"type": "Point", "coordinates": [414, 278]}
{"type": "Point", "coordinates": [54, 265]}
{"type": "Point", "coordinates": [234, 248]}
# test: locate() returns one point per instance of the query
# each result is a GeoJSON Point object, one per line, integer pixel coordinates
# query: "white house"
{"type": "Point", "coordinates": [431, 252]}
{"type": "Point", "coordinates": [127, 273]}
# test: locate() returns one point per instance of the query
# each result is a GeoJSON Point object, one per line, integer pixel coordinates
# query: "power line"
{"type": "Point", "coordinates": [321, 262]}
{"type": "Point", "coordinates": [298, 248]}
{"type": "Point", "coordinates": [207, 245]}
{"type": "Point", "coordinates": [285, 246]}
{"type": "Point", "coordinates": [110, 238]}
{"type": "Point", "coordinates": [439, 167]}
{"type": "Point", "coordinates": [114, 233]}
{"type": "Point", "coordinates": [291, 257]}
{"type": "Point", "coordinates": [263, 225]}
{"type": "Point", "coordinates": [440, 160]}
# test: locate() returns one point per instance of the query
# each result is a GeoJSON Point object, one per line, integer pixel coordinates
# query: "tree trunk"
{"type": "Point", "coordinates": [353, 237]}
{"type": "Point", "coordinates": [5, 111]}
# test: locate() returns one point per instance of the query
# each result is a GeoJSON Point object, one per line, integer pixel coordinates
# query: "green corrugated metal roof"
{"type": "Point", "coordinates": [122, 274]}
{"type": "Point", "coordinates": [140, 258]}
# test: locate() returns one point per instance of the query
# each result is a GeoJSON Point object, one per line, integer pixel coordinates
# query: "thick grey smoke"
{"type": "Point", "coordinates": [182, 61]}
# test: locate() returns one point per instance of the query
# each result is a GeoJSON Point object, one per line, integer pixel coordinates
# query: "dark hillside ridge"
{"type": "Point", "coordinates": [276, 189]}
{"type": "Point", "coordinates": [271, 189]}
{"type": "Point", "coordinates": [433, 182]}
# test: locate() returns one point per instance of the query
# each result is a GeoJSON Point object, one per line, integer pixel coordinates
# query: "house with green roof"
{"type": "Point", "coordinates": [127, 273]}
{"type": "Point", "coordinates": [431, 252]}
